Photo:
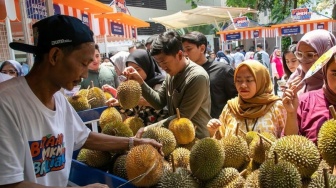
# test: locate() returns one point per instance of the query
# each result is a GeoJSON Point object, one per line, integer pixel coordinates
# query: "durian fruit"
{"type": "Point", "coordinates": [182, 128]}
{"type": "Point", "coordinates": [299, 151]}
{"type": "Point", "coordinates": [252, 181]}
{"type": "Point", "coordinates": [167, 166]}
{"type": "Point", "coordinates": [323, 180]}
{"type": "Point", "coordinates": [129, 93]}
{"type": "Point", "coordinates": [181, 178]}
{"type": "Point", "coordinates": [119, 167]}
{"type": "Point", "coordinates": [279, 173]}
{"type": "Point", "coordinates": [249, 136]}
{"type": "Point", "coordinates": [323, 165]}
{"type": "Point", "coordinates": [97, 159]}
{"type": "Point", "coordinates": [144, 164]}
{"type": "Point", "coordinates": [134, 123]}
{"type": "Point", "coordinates": [163, 136]}
{"type": "Point", "coordinates": [259, 147]}
{"type": "Point", "coordinates": [236, 151]}
{"type": "Point", "coordinates": [181, 158]}
{"type": "Point", "coordinates": [326, 141]}
{"type": "Point", "coordinates": [79, 102]}
{"type": "Point", "coordinates": [109, 115]}
{"type": "Point", "coordinates": [227, 177]}
{"type": "Point", "coordinates": [98, 94]}
{"type": "Point", "coordinates": [206, 158]}
{"type": "Point", "coordinates": [117, 129]}
{"type": "Point", "coordinates": [250, 167]}
{"type": "Point", "coordinates": [107, 95]}
{"type": "Point", "coordinates": [81, 157]}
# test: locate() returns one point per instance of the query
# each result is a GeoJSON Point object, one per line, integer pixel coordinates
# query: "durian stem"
{"type": "Point", "coordinates": [178, 113]}
{"type": "Point", "coordinates": [92, 99]}
{"type": "Point", "coordinates": [333, 112]}
{"type": "Point", "coordinates": [266, 139]}
{"type": "Point", "coordinates": [276, 160]}
{"type": "Point", "coordinates": [173, 163]}
{"type": "Point", "coordinates": [237, 130]}
{"type": "Point", "coordinates": [241, 130]}
{"type": "Point", "coordinates": [242, 173]}
{"type": "Point", "coordinates": [88, 87]}
{"type": "Point", "coordinates": [92, 85]}
{"type": "Point", "coordinates": [334, 170]}
{"type": "Point", "coordinates": [326, 179]}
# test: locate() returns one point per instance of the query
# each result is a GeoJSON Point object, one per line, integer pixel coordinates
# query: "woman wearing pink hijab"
{"type": "Point", "coordinates": [311, 46]}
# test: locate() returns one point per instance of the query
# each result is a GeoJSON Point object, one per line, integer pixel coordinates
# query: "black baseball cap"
{"type": "Point", "coordinates": [195, 37]}
{"type": "Point", "coordinates": [56, 31]}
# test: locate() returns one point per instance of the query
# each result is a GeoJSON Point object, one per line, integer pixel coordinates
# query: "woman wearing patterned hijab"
{"type": "Point", "coordinates": [309, 111]}
{"type": "Point", "coordinates": [12, 68]}
{"type": "Point", "coordinates": [311, 46]}
{"type": "Point", "coordinates": [255, 108]}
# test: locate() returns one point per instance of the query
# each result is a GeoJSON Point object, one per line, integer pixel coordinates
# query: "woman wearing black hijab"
{"type": "Point", "coordinates": [150, 72]}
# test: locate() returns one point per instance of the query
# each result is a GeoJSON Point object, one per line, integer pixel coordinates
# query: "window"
{"type": "Point", "coordinates": [154, 4]}
{"type": "Point", "coordinates": [155, 28]}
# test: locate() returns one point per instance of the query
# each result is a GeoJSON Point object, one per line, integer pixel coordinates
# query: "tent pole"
{"type": "Point", "coordinates": [232, 20]}
{"type": "Point", "coordinates": [9, 37]}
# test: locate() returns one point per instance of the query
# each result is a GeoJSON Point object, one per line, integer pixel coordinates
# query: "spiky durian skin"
{"type": "Point", "coordinates": [129, 93]}
{"type": "Point", "coordinates": [141, 159]}
{"type": "Point", "coordinates": [252, 181]}
{"type": "Point", "coordinates": [119, 167]}
{"type": "Point", "coordinates": [281, 175]}
{"type": "Point", "coordinates": [107, 95]}
{"type": "Point", "coordinates": [299, 151]}
{"type": "Point", "coordinates": [134, 123]}
{"type": "Point", "coordinates": [81, 157]}
{"type": "Point", "coordinates": [206, 158]}
{"type": "Point", "coordinates": [224, 178]}
{"type": "Point", "coordinates": [259, 148]}
{"type": "Point", "coordinates": [190, 145]}
{"type": "Point", "coordinates": [236, 151]}
{"type": "Point", "coordinates": [318, 181]}
{"type": "Point", "coordinates": [181, 178]}
{"type": "Point", "coordinates": [181, 157]}
{"type": "Point", "coordinates": [99, 96]}
{"type": "Point", "coordinates": [117, 129]}
{"type": "Point", "coordinates": [109, 115]}
{"type": "Point", "coordinates": [163, 136]}
{"type": "Point", "coordinates": [183, 130]}
{"type": "Point", "coordinates": [97, 159]}
{"type": "Point", "coordinates": [79, 102]}
{"type": "Point", "coordinates": [326, 142]}
{"type": "Point", "coordinates": [250, 136]}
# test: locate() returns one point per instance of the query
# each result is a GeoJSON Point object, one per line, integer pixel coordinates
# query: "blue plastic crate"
{"type": "Point", "coordinates": [91, 114]}
{"type": "Point", "coordinates": [81, 174]}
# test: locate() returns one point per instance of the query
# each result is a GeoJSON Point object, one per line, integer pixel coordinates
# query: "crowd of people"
{"type": "Point", "coordinates": [217, 93]}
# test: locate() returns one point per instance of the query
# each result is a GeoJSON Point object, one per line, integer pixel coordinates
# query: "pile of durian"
{"type": "Point", "coordinates": [248, 160]}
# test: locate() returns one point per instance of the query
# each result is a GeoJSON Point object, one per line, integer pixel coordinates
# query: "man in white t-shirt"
{"type": "Point", "coordinates": [238, 57]}
{"type": "Point", "coordinates": [39, 128]}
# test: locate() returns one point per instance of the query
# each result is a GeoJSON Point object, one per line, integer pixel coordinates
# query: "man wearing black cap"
{"type": "Point", "coordinates": [40, 129]}
{"type": "Point", "coordinates": [222, 86]}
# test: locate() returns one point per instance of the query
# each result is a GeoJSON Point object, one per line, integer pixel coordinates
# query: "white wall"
{"type": "Point", "coordinates": [173, 6]}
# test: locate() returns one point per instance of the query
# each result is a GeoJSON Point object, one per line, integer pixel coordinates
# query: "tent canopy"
{"type": "Point", "coordinates": [201, 15]}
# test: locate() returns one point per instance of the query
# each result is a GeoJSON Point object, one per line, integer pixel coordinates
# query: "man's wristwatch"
{"type": "Point", "coordinates": [130, 143]}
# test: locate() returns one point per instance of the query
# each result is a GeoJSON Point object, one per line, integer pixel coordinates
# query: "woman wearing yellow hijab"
{"type": "Point", "coordinates": [255, 108]}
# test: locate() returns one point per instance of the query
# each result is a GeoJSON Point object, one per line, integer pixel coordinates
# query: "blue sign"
{"type": "Point", "coordinates": [117, 29]}
{"type": "Point", "coordinates": [36, 9]}
{"type": "Point", "coordinates": [85, 19]}
{"type": "Point", "coordinates": [255, 34]}
{"type": "Point", "coordinates": [241, 22]}
{"type": "Point", "coordinates": [320, 26]}
{"type": "Point", "coordinates": [57, 9]}
{"type": "Point", "coordinates": [290, 30]}
{"type": "Point", "coordinates": [235, 36]}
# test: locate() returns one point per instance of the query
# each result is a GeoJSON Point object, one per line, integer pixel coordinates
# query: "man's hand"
{"type": "Point", "coordinates": [132, 74]}
{"type": "Point", "coordinates": [152, 142]}
{"type": "Point", "coordinates": [110, 89]}
{"type": "Point", "coordinates": [112, 102]}
{"type": "Point", "coordinates": [96, 185]}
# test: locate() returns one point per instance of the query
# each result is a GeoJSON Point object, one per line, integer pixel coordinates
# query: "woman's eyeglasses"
{"type": "Point", "coordinates": [10, 72]}
{"type": "Point", "coordinates": [309, 55]}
